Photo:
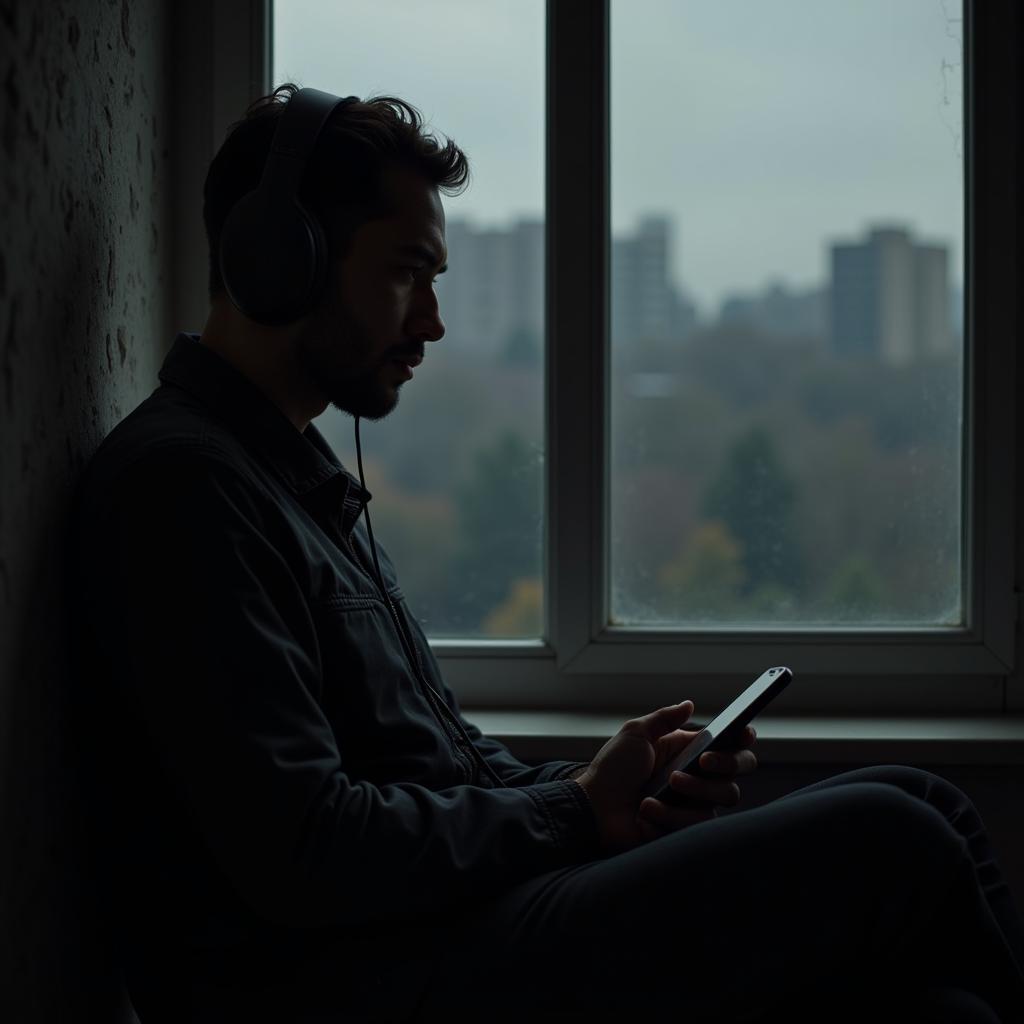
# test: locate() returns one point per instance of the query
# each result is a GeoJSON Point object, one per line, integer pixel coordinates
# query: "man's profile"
{"type": "Point", "coordinates": [299, 824]}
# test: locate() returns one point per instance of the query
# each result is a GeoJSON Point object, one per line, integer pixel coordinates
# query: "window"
{"type": "Point", "coordinates": [866, 634]}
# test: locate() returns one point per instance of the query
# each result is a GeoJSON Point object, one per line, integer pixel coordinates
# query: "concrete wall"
{"type": "Point", "coordinates": [84, 322]}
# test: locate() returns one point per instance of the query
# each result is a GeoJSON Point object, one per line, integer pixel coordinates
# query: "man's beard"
{"type": "Point", "coordinates": [363, 395]}
{"type": "Point", "coordinates": [337, 356]}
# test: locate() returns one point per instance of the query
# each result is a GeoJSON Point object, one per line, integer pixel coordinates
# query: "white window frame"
{"type": "Point", "coordinates": [583, 663]}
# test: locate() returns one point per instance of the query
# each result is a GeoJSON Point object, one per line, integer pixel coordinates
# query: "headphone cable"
{"type": "Point", "coordinates": [413, 661]}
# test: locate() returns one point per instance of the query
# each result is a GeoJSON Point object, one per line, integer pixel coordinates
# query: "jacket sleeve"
{"type": "Point", "coordinates": [213, 649]}
{"type": "Point", "coordinates": [513, 772]}
{"type": "Point", "coordinates": [508, 768]}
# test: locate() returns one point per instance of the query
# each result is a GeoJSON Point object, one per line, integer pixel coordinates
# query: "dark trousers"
{"type": "Point", "coordinates": [873, 895]}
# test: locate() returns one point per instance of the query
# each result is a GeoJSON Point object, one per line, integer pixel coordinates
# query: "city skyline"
{"type": "Point", "coordinates": [887, 293]}
{"type": "Point", "coordinates": [769, 282]}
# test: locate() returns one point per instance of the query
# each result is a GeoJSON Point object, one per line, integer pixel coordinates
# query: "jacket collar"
{"type": "Point", "coordinates": [304, 461]}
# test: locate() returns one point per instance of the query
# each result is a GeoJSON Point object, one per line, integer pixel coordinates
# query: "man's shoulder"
{"type": "Point", "coordinates": [165, 430]}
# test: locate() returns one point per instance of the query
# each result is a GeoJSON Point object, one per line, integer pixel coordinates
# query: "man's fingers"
{"type": "Point", "coordinates": [648, 830]}
{"type": "Point", "coordinates": [663, 818]}
{"type": "Point", "coordinates": [664, 720]}
{"type": "Point", "coordinates": [745, 739]}
{"type": "Point", "coordinates": [724, 762]}
{"type": "Point", "coordinates": [717, 791]}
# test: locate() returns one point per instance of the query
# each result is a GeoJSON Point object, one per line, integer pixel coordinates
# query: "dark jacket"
{"type": "Point", "coordinates": [277, 783]}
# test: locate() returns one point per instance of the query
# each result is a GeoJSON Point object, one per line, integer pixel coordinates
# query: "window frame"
{"type": "Point", "coordinates": [584, 664]}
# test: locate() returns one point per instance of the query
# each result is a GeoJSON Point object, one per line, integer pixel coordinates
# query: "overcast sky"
{"type": "Point", "coordinates": [763, 128]}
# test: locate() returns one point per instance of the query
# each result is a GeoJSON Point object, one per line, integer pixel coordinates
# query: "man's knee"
{"type": "Point", "coordinates": [884, 819]}
{"type": "Point", "coordinates": [917, 782]}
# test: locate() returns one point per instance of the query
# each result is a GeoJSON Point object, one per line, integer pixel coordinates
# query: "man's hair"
{"type": "Point", "coordinates": [342, 183]}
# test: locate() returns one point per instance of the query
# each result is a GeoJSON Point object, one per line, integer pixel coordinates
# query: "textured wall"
{"type": "Point", "coordinates": [84, 263]}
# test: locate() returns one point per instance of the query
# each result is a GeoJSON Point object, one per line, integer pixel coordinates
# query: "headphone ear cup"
{"type": "Point", "coordinates": [273, 259]}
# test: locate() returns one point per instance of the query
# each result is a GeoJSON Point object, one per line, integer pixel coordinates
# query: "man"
{"type": "Point", "coordinates": [301, 826]}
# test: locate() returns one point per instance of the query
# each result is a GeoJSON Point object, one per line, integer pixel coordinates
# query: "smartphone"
{"type": "Point", "coordinates": [722, 732]}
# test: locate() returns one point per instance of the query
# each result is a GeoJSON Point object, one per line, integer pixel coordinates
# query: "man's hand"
{"type": "Point", "coordinates": [616, 778]}
{"type": "Point", "coordinates": [699, 796]}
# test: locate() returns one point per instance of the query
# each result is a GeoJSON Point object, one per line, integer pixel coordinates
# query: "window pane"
{"type": "Point", "coordinates": [787, 328]}
{"type": "Point", "coordinates": [456, 471]}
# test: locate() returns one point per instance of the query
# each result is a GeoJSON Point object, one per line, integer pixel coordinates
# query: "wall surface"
{"type": "Point", "coordinates": [84, 271]}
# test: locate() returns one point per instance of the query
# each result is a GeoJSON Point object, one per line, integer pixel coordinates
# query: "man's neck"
{"type": "Point", "coordinates": [263, 356]}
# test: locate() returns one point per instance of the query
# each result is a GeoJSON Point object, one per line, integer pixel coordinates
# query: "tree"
{"type": "Point", "coordinates": [519, 614]}
{"type": "Point", "coordinates": [755, 497]}
{"type": "Point", "coordinates": [856, 591]}
{"type": "Point", "coordinates": [499, 539]}
{"type": "Point", "coordinates": [705, 579]}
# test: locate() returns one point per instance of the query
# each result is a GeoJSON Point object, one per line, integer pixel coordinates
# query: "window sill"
{"type": "Point", "coordinates": [536, 736]}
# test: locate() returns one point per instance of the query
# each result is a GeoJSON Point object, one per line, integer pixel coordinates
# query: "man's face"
{"type": "Point", "coordinates": [379, 308]}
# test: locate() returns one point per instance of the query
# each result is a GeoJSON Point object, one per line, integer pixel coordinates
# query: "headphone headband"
{"type": "Point", "coordinates": [298, 128]}
{"type": "Point", "coordinates": [273, 251]}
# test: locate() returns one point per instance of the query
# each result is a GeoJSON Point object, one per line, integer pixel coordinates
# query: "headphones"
{"type": "Point", "coordinates": [273, 252]}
